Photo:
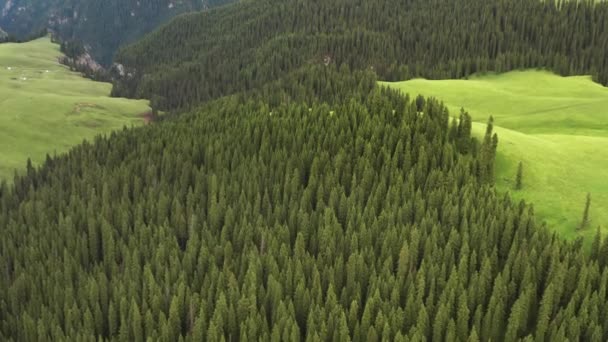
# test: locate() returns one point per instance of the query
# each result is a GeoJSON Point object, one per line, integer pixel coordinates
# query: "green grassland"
{"type": "Point", "coordinates": [556, 126]}
{"type": "Point", "coordinates": [45, 108]}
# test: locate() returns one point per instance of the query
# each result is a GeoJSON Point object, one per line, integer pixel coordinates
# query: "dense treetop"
{"type": "Point", "coordinates": [363, 217]}
{"type": "Point", "coordinates": [203, 56]}
{"type": "Point", "coordinates": [308, 205]}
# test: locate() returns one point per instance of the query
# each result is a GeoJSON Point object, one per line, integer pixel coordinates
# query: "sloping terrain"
{"type": "Point", "coordinates": [309, 204]}
{"type": "Point", "coordinates": [203, 56]}
{"type": "Point", "coordinates": [45, 108]}
{"type": "Point", "coordinates": [556, 126]}
{"type": "Point", "coordinates": [359, 220]}
{"type": "Point", "coordinates": [101, 25]}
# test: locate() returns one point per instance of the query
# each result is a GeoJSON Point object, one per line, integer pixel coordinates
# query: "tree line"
{"type": "Point", "coordinates": [10, 38]}
{"type": "Point", "coordinates": [203, 56]}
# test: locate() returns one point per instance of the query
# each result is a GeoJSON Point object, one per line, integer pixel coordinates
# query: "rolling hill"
{"type": "Point", "coordinates": [47, 109]}
{"type": "Point", "coordinates": [556, 126]}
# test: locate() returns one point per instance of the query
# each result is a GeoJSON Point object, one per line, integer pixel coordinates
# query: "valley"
{"type": "Point", "coordinates": [46, 109]}
{"type": "Point", "coordinates": [557, 127]}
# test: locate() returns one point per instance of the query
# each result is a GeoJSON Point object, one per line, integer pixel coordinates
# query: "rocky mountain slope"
{"type": "Point", "coordinates": [103, 26]}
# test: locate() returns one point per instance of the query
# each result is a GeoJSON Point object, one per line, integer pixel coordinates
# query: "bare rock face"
{"type": "Point", "coordinates": [84, 62]}
{"type": "Point", "coordinates": [7, 7]}
{"type": "Point", "coordinates": [87, 60]}
{"type": "Point", "coordinates": [120, 69]}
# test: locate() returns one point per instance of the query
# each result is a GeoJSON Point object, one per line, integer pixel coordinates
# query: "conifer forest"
{"type": "Point", "coordinates": [281, 193]}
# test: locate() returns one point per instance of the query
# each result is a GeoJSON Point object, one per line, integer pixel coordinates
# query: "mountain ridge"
{"type": "Point", "coordinates": [202, 56]}
{"type": "Point", "coordinates": [102, 26]}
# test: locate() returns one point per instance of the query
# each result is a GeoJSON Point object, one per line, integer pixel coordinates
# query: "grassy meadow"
{"type": "Point", "coordinates": [556, 126]}
{"type": "Point", "coordinates": [45, 108]}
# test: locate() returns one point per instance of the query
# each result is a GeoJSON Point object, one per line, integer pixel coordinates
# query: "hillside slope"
{"type": "Point", "coordinates": [556, 126]}
{"type": "Point", "coordinates": [346, 220]}
{"type": "Point", "coordinates": [47, 109]}
{"type": "Point", "coordinates": [310, 205]}
{"type": "Point", "coordinates": [101, 25]}
{"type": "Point", "coordinates": [203, 56]}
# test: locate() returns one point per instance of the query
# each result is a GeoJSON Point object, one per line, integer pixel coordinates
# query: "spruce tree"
{"type": "Point", "coordinates": [585, 221]}
{"type": "Point", "coordinates": [519, 176]}
{"type": "Point", "coordinates": [596, 244]}
{"type": "Point", "coordinates": [603, 253]}
{"type": "Point", "coordinates": [421, 251]}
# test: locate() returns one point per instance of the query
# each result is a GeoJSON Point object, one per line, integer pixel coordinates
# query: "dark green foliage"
{"type": "Point", "coordinates": [6, 38]}
{"type": "Point", "coordinates": [310, 205]}
{"type": "Point", "coordinates": [9, 38]}
{"type": "Point", "coordinates": [103, 25]}
{"type": "Point", "coordinates": [487, 155]}
{"type": "Point", "coordinates": [72, 49]}
{"type": "Point", "coordinates": [203, 56]}
{"type": "Point", "coordinates": [361, 217]}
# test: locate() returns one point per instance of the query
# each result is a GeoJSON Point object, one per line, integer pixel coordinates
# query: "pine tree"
{"type": "Point", "coordinates": [136, 323]}
{"type": "Point", "coordinates": [473, 337]}
{"type": "Point", "coordinates": [517, 318]}
{"type": "Point", "coordinates": [420, 103]}
{"type": "Point", "coordinates": [462, 317]}
{"type": "Point", "coordinates": [603, 253]}
{"type": "Point", "coordinates": [544, 314]}
{"type": "Point", "coordinates": [519, 176]}
{"type": "Point", "coordinates": [174, 322]}
{"type": "Point", "coordinates": [422, 251]}
{"type": "Point", "coordinates": [596, 244]}
{"type": "Point", "coordinates": [585, 221]}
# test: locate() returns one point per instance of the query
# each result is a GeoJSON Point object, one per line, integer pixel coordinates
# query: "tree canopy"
{"type": "Point", "coordinates": [367, 216]}
{"type": "Point", "coordinates": [203, 56]}
{"type": "Point", "coordinates": [291, 198]}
